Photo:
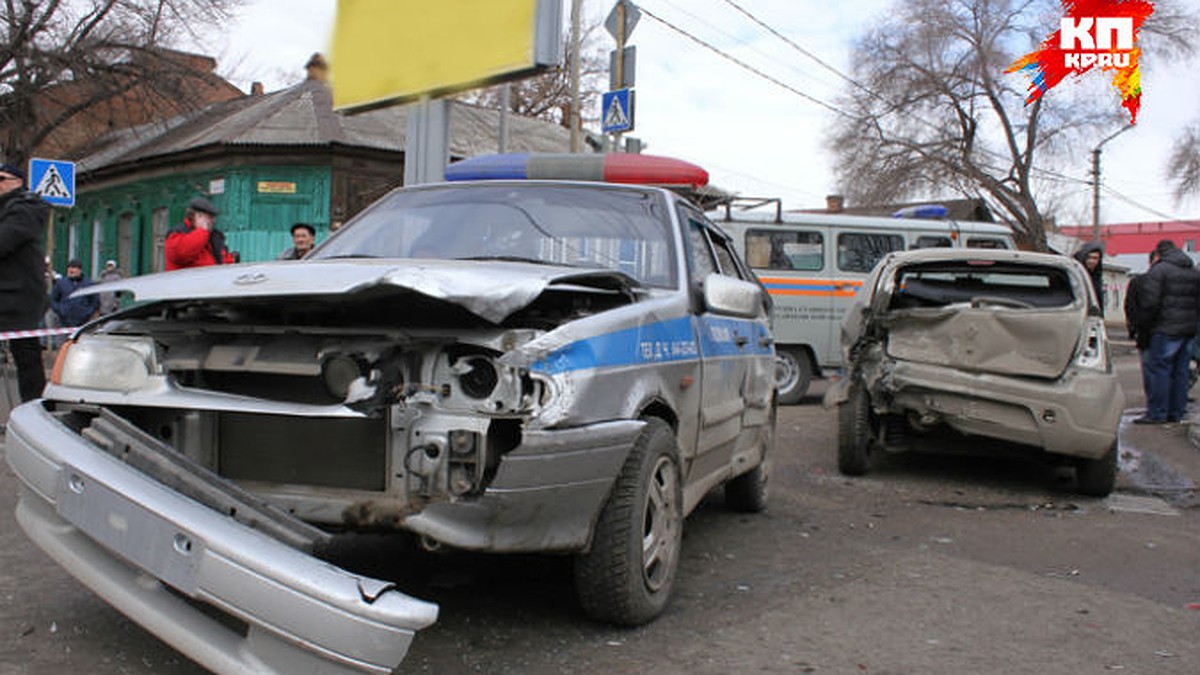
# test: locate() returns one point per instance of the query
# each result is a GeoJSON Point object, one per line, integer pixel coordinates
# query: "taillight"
{"type": "Point", "coordinates": [1093, 353]}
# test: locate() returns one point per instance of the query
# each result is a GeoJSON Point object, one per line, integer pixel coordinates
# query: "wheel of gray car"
{"type": "Point", "coordinates": [1096, 477]}
{"type": "Point", "coordinates": [854, 432]}
{"type": "Point", "coordinates": [793, 374]}
{"type": "Point", "coordinates": [626, 576]}
{"type": "Point", "coordinates": [748, 492]}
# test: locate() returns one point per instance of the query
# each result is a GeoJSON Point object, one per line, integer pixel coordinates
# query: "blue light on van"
{"type": "Point", "coordinates": [923, 211]}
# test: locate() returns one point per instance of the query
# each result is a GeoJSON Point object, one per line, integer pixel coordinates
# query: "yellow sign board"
{"type": "Point", "coordinates": [393, 51]}
{"type": "Point", "coordinates": [276, 187]}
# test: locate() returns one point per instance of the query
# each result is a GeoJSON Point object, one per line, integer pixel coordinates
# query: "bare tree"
{"type": "Point", "coordinates": [548, 96]}
{"type": "Point", "coordinates": [932, 112]}
{"type": "Point", "coordinates": [65, 62]}
{"type": "Point", "coordinates": [1183, 166]}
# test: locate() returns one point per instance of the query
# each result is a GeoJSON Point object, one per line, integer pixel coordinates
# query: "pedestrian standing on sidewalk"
{"type": "Point", "coordinates": [73, 310]}
{"type": "Point", "coordinates": [1091, 256]}
{"type": "Point", "coordinates": [23, 218]}
{"type": "Point", "coordinates": [1135, 315]}
{"type": "Point", "coordinates": [197, 242]}
{"type": "Point", "coordinates": [109, 302]}
{"type": "Point", "coordinates": [1171, 296]}
{"type": "Point", "coordinates": [303, 237]}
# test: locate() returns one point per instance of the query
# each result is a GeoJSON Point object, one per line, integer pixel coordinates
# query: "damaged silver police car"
{"type": "Point", "coordinates": [498, 366]}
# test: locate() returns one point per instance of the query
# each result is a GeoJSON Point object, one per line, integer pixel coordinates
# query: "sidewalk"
{"type": "Point", "coordinates": [1163, 461]}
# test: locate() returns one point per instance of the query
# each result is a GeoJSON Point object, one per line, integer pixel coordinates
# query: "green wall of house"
{"type": "Point", "coordinates": [128, 223]}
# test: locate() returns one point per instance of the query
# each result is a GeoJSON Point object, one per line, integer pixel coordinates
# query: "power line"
{"type": "Point", "coordinates": [767, 27]}
{"type": "Point", "coordinates": [1136, 204]}
{"type": "Point", "coordinates": [729, 57]}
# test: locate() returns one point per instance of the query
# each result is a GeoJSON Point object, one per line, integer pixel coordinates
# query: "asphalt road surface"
{"type": "Point", "coordinates": [929, 565]}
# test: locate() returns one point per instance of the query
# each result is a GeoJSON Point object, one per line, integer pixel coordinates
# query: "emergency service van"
{"type": "Point", "coordinates": [813, 264]}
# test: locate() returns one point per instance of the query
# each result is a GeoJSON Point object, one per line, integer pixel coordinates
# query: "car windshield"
{"type": "Point", "coordinates": [577, 226]}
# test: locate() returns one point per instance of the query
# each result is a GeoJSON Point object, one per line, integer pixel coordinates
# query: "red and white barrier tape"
{"type": "Point", "coordinates": [40, 332]}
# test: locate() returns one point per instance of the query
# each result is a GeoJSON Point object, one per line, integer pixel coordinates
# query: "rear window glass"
{"type": "Point", "coordinates": [933, 241]}
{"type": "Point", "coordinates": [1016, 286]}
{"type": "Point", "coordinates": [860, 252]}
{"type": "Point", "coordinates": [784, 250]}
{"type": "Point", "coordinates": [986, 242]}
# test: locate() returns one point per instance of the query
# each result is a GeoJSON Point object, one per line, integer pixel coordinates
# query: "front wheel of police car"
{"type": "Point", "coordinates": [625, 577]}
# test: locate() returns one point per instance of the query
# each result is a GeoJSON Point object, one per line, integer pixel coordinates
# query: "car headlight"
{"type": "Point", "coordinates": [108, 362]}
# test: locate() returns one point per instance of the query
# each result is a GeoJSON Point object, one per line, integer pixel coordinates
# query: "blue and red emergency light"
{"type": "Point", "coordinates": [610, 168]}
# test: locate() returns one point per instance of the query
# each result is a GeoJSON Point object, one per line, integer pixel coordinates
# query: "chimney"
{"type": "Point", "coordinates": [256, 89]}
{"type": "Point", "coordinates": [317, 68]}
{"type": "Point", "coordinates": [834, 203]}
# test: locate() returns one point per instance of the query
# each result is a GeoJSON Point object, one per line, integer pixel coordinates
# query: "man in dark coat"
{"type": "Point", "coordinates": [23, 217]}
{"type": "Point", "coordinates": [1091, 256]}
{"type": "Point", "coordinates": [73, 311]}
{"type": "Point", "coordinates": [1170, 302]}
{"type": "Point", "coordinates": [1134, 312]}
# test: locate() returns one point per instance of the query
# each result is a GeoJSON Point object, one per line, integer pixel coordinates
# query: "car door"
{"type": "Point", "coordinates": [728, 345]}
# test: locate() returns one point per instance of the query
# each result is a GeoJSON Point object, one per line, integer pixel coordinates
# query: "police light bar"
{"type": "Point", "coordinates": [610, 168]}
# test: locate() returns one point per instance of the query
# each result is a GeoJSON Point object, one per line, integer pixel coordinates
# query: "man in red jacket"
{"type": "Point", "coordinates": [198, 242]}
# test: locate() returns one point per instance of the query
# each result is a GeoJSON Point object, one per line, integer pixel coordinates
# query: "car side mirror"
{"type": "Point", "coordinates": [733, 297]}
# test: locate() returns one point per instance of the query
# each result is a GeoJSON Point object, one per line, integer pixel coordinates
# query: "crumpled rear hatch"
{"type": "Point", "coordinates": [986, 316]}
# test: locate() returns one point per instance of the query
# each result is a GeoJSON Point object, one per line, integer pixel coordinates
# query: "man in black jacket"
{"type": "Point", "coordinates": [1170, 303]}
{"type": "Point", "coordinates": [1135, 311]}
{"type": "Point", "coordinates": [23, 217]}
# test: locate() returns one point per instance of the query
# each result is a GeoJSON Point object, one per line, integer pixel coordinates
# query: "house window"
{"type": "Point", "coordinates": [97, 246]}
{"type": "Point", "coordinates": [1189, 245]}
{"type": "Point", "coordinates": [73, 240]}
{"type": "Point", "coordinates": [158, 228]}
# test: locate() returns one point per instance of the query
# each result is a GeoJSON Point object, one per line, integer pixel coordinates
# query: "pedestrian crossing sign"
{"type": "Point", "coordinates": [53, 180]}
{"type": "Point", "coordinates": [617, 111]}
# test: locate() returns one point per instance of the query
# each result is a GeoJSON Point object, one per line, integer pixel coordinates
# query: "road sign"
{"type": "Point", "coordinates": [617, 107]}
{"type": "Point", "coordinates": [629, 67]}
{"type": "Point", "coordinates": [54, 180]}
{"type": "Point", "coordinates": [632, 14]}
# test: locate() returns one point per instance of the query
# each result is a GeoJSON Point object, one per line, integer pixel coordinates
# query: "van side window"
{"type": "Point", "coordinates": [860, 252]}
{"type": "Point", "coordinates": [782, 250]}
{"type": "Point", "coordinates": [986, 242]}
{"type": "Point", "coordinates": [933, 241]}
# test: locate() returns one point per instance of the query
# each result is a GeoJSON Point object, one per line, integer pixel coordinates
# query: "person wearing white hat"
{"type": "Point", "coordinates": [108, 301]}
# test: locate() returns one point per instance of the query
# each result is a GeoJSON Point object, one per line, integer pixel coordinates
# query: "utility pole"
{"type": "Point", "coordinates": [620, 59]}
{"type": "Point", "coordinates": [575, 45]}
{"type": "Point", "coordinates": [1096, 181]}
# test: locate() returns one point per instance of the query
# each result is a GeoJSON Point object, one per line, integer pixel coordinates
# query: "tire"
{"type": "Point", "coordinates": [793, 374]}
{"type": "Point", "coordinates": [748, 492]}
{"type": "Point", "coordinates": [854, 432]}
{"type": "Point", "coordinates": [626, 577]}
{"type": "Point", "coordinates": [1097, 477]}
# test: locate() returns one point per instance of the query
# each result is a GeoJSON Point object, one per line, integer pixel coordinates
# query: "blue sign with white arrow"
{"type": "Point", "coordinates": [54, 180]}
{"type": "Point", "coordinates": [617, 111]}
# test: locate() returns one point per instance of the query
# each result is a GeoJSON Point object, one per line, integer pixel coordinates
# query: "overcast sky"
{"type": "Point", "coordinates": [754, 137]}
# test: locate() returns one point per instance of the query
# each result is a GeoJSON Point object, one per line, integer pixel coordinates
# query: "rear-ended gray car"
{"type": "Point", "coordinates": [949, 349]}
{"type": "Point", "coordinates": [508, 366]}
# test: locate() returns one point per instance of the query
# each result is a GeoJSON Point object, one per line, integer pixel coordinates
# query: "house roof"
{"type": "Point", "coordinates": [303, 116]}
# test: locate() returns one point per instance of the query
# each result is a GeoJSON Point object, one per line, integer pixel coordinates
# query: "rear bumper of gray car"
{"type": "Point", "coordinates": [158, 556]}
{"type": "Point", "coordinates": [1077, 415]}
